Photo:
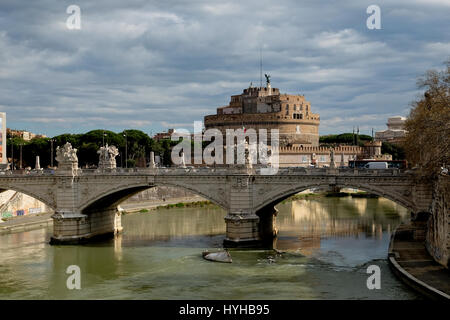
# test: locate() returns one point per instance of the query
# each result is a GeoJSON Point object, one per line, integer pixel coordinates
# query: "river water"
{"type": "Point", "coordinates": [328, 244]}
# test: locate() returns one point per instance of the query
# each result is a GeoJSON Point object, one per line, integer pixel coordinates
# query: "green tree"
{"type": "Point", "coordinates": [87, 144]}
{"type": "Point", "coordinates": [344, 138]}
{"type": "Point", "coordinates": [397, 151]}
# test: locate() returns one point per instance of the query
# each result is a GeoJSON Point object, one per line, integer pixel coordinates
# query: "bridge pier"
{"type": "Point", "coordinates": [251, 230]}
{"type": "Point", "coordinates": [76, 228]}
{"type": "Point", "coordinates": [242, 230]}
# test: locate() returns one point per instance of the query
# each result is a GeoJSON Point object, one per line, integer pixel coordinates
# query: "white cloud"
{"type": "Point", "coordinates": [164, 64]}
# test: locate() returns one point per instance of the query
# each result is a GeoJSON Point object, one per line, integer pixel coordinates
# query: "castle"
{"type": "Point", "coordinates": [267, 108]}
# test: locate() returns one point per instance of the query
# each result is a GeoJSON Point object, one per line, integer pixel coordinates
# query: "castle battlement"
{"type": "Point", "coordinates": [324, 150]}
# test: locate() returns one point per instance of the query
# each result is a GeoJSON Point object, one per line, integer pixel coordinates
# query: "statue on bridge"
{"type": "Point", "coordinates": [67, 159]}
{"type": "Point", "coordinates": [107, 159]}
{"type": "Point", "coordinates": [332, 162]}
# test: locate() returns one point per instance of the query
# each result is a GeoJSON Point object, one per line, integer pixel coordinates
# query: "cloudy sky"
{"type": "Point", "coordinates": [154, 65]}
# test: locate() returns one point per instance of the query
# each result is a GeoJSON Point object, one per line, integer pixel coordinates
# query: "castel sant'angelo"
{"type": "Point", "coordinates": [267, 108]}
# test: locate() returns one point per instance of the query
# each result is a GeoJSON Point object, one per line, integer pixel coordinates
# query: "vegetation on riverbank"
{"type": "Point", "coordinates": [301, 196]}
{"type": "Point", "coordinates": [194, 204]}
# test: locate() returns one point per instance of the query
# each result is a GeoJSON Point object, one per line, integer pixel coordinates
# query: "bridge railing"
{"type": "Point", "coordinates": [212, 170]}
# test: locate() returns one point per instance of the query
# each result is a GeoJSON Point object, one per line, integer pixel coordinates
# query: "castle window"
{"type": "Point", "coordinates": [287, 107]}
{"type": "Point", "coordinates": [301, 116]}
{"type": "Point", "coordinates": [295, 107]}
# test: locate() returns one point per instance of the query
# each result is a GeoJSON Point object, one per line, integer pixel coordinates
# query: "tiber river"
{"type": "Point", "coordinates": [329, 244]}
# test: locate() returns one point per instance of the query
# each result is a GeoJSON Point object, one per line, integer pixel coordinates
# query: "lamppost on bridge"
{"type": "Point", "coordinates": [20, 159]}
{"type": "Point", "coordinates": [103, 138]}
{"type": "Point", "coordinates": [12, 153]}
{"type": "Point", "coordinates": [126, 150]}
{"type": "Point", "coordinates": [51, 152]}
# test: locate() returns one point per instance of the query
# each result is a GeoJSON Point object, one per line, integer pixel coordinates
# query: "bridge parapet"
{"type": "Point", "coordinates": [215, 171]}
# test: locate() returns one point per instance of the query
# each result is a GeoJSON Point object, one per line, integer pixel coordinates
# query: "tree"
{"type": "Point", "coordinates": [397, 152]}
{"type": "Point", "coordinates": [427, 142]}
{"type": "Point", "coordinates": [344, 138]}
{"type": "Point", "coordinates": [139, 145]}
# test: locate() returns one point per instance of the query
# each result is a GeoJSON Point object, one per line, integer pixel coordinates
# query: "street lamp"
{"type": "Point", "coordinates": [12, 154]}
{"type": "Point", "coordinates": [20, 161]}
{"type": "Point", "coordinates": [126, 150]}
{"type": "Point", "coordinates": [103, 137]}
{"type": "Point", "coordinates": [51, 152]}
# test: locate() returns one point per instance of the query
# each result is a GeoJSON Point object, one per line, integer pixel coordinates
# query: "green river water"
{"type": "Point", "coordinates": [328, 244]}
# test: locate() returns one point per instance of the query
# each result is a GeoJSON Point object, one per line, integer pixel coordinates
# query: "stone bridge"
{"type": "Point", "coordinates": [86, 201]}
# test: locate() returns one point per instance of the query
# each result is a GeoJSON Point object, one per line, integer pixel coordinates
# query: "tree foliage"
{"type": "Point", "coordinates": [344, 138]}
{"type": "Point", "coordinates": [427, 142]}
{"type": "Point", "coordinates": [132, 144]}
{"type": "Point", "coordinates": [397, 151]}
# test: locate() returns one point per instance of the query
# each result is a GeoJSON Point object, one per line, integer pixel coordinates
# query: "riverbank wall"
{"type": "Point", "coordinates": [438, 232]}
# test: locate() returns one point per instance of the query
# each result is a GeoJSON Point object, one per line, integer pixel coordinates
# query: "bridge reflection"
{"type": "Point", "coordinates": [310, 221]}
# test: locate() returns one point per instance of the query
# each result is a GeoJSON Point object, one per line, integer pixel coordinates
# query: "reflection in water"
{"type": "Point", "coordinates": [313, 220]}
{"type": "Point", "coordinates": [329, 243]}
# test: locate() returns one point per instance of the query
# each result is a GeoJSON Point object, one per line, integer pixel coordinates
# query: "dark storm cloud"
{"type": "Point", "coordinates": [158, 64]}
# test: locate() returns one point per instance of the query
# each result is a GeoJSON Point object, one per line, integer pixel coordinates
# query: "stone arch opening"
{"type": "Point", "coordinates": [116, 196]}
{"type": "Point", "coordinates": [267, 212]}
{"type": "Point", "coordinates": [98, 216]}
{"type": "Point", "coordinates": [46, 201]}
{"type": "Point", "coordinates": [283, 195]}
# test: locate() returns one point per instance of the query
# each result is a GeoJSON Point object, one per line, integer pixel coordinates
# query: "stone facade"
{"type": "Point", "coordinates": [305, 156]}
{"type": "Point", "coordinates": [395, 132]}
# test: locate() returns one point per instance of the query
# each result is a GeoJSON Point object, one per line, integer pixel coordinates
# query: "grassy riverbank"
{"type": "Point", "coordinates": [193, 204]}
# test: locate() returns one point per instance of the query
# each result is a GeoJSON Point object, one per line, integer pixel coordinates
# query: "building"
{"type": "Point", "coordinates": [395, 132]}
{"type": "Point", "coordinates": [25, 135]}
{"type": "Point", "coordinates": [3, 140]}
{"type": "Point", "coordinates": [267, 108]}
{"type": "Point", "coordinates": [163, 135]}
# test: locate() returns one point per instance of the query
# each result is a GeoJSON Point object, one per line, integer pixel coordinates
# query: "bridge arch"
{"type": "Point", "coordinates": [116, 195]}
{"type": "Point", "coordinates": [277, 196]}
{"type": "Point", "coordinates": [46, 198]}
